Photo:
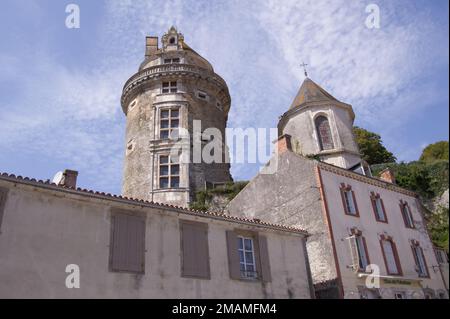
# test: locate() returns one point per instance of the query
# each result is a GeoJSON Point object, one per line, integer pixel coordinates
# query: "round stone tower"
{"type": "Point", "coordinates": [322, 126]}
{"type": "Point", "coordinates": [173, 90]}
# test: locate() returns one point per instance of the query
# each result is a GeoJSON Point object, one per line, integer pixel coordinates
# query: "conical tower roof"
{"type": "Point", "coordinates": [311, 92]}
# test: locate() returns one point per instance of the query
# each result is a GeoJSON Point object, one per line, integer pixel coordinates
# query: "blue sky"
{"type": "Point", "coordinates": [60, 88]}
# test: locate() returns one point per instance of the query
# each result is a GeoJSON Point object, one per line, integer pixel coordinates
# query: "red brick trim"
{"type": "Point", "coordinates": [365, 179]}
{"type": "Point", "coordinates": [347, 188]}
{"type": "Point", "coordinates": [330, 231]}
{"type": "Point", "coordinates": [396, 257]}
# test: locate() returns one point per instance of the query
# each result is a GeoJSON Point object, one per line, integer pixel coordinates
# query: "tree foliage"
{"type": "Point", "coordinates": [371, 147]}
{"type": "Point", "coordinates": [435, 151]}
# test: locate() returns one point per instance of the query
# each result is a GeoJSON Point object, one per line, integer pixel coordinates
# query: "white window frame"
{"type": "Point", "coordinates": [170, 176]}
{"type": "Point", "coordinates": [408, 215]}
{"type": "Point", "coordinates": [348, 197]}
{"type": "Point", "coordinates": [381, 215]}
{"type": "Point", "coordinates": [171, 87]}
{"type": "Point", "coordinates": [247, 273]}
{"type": "Point", "coordinates": [171, 60]}
{"type": "Point", "coordinates": [393, 261]}
{"type": "Point", "coordinates": [420, 259]}
{"type": "Point", "coordinates": [170, 119]}
{"type": "Point", "coordinates": [362, 255]}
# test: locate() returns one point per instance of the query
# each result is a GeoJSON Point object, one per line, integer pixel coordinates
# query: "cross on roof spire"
{"type": "Point", "coordinates": [304, 68]}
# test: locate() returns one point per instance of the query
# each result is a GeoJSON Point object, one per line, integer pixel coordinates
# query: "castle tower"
{"type": "Point", "coordinates": [322, 126]}
{"type": "Point", "coordinates": [174, 87]}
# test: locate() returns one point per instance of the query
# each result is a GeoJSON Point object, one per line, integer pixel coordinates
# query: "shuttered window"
{"type": "Point", "coordinates": [248, 256]}
{"type": "Point", "coordinates": [127, 249]}
{"type": "Point", "coordinates": [194, 250]}
{"type": "Point", "coordinates": [3, 193]}
{"type": "Point", "coordinates": [359, 253]}
{"type": "Point", "coordinates": [419, 258]}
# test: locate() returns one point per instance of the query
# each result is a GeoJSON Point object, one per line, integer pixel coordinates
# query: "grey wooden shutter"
{"type": "Point", "coordinates": [3, 193]}
{"type": "Point", "coordinates": [128, 243]}
{"type": "Point", "coordinates": [264, 259]}
{"type": "Point", "coordinates": [233, 256]}
{"type": "Point", "coordinates": [195, 251]}
{"type": "Point", "coordinates": [353, 253]}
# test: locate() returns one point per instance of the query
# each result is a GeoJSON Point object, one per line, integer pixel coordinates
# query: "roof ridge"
{"type": "Point", "coordinates": [83, 191]}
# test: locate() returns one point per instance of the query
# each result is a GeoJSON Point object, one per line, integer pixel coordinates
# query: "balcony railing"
{"type": "Point", "coordinates": [171, 68]}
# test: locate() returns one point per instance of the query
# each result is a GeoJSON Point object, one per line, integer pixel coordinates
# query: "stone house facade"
{"type": "Point", "coordinates": [127, 248]}
{"type": "Point", "coordinates": [363, 229]}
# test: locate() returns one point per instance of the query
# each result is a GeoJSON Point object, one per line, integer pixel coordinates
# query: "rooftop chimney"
{"type": "Point", "coordinates": [70, 178]}
{"type": "Point", "coordinates": [151, 46]}
{"type": "Point", "coordinates": [283, 143]}
{"type": "Point", "coordinates": [387, 175]}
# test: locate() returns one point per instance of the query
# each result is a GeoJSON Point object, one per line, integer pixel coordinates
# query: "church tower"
{"type": "Point", "coordinates": [174, 89]}
{"type": "Point", "coordinates": [321, 126]}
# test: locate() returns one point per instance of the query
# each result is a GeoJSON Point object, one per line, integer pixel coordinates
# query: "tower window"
{"type": "Point", "coordinates": [169, 171]}
{"type": "Point", "coordinates": [324, 133]}
{"type": "Point", "coordinates": [169, 123]}
{"type": "Point", "coordinates": [169, 87]}
{"type": "Point", "coordinates": [171, 60]}
{"type": "Point", "coordinates": [202, 95]}
{"type": "Point", "coordinates": [172, 40]}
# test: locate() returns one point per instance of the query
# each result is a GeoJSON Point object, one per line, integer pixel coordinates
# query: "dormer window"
{"type": "Point", "coordinates": [171, 60]}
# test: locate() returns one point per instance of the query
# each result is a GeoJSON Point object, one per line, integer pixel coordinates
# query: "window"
{"type": "Point", "coordinates": [132, 104]}
{"type": "Point", "coordinates": [202, 95]}
{"type": "Point", "coordinates": [349, 200]}
{"type": "Point", "coordinates": [324, 133]}
{"type": "Point", "coordinates": [169, 172]}
{"type": "Point", "coordinates": [363, 256]}
{"type": "Point", "coordinates": [419, 258]}
{"type": "Point", "coordinates": [246, 257]}
{"type": "Point", "coordinates": [171, 60]}
{"type": "Point", "coordinates": [407, 216]}
{"type": "Point", "coordinates": [359, 252]}
{"type": "Point", "coordinates": [378, 208]}
{"type": "Point", "coordinates": [127, 249]}
{"type": "Point", "coordinates": [400, 295]}
{"type": "Point", "coordinates": [441, 256]}
{"type": "Point", "coordinates": [390, 255]}
{"type": "Point", "coordinates": [169, 87]}
{"type": "Point", "coordinates": [130, 147]}
{"type": "Point", "coordinates": [169, 123]}
{"type": "Point", "coordinates": [3, 195]}
{"type": "Point", "coordinates": [194, 249]}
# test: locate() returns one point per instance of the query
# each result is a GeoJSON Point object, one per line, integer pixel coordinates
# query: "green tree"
{"type": "Point", "coordinates": [371, 147]}
{"type": "Point", "coordinates": [435, 151]}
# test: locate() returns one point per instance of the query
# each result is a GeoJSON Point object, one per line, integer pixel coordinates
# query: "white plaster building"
{"type": "Point", "coordinates": [360, 226]}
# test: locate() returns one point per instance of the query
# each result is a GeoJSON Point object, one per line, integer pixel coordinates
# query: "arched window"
{"type": "Point", "coordinates": [324, 133]}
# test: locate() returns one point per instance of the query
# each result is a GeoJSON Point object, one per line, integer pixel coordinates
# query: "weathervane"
{"type": "Point", "coordinates": [304, 68]}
